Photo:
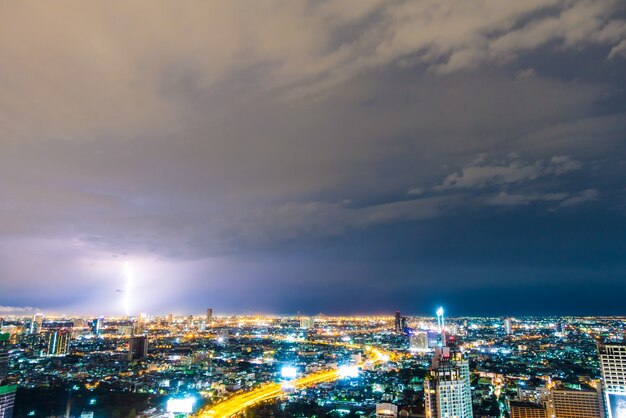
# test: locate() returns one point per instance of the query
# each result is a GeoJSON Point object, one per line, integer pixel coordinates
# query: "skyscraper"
{"type": "Point", "coordinates": [209, 316]}
{"type": "Point", "coordinates": [507, 326]}
{"type": "Point", "coordinates": [306, 322]}
{"type": "Point", "coordinates": [57, 342]}
{"type": "Point", "coordinates": [613, 366]}
{"type": "Point", "coordinates": [36, 323]}
{"type": "Point", "coordinates": [137, 348]}
{"type": "Point", "coordinates": [7, 391]}
{"type": "Point", "coordinates": [447, 389]}
{"type": "Point", "coordinates": [96, 325]}
{"type": "Point", "coordinates": [397, 324]}
{"type": "Point", "coordinates": [418, 341]}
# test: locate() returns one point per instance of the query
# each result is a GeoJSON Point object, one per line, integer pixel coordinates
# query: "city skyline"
{"type": "Point", "coordinates": [313, 157]}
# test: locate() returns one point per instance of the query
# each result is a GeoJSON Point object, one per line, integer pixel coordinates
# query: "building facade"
{"type": "Point", "coordinates": [447, 389]}
{"type": "Point", "coordinates": [613, 365]}
{"type": "Point", "coordinates": [7, 391]}
{"type": "Point", "coordinates": [566, 403]}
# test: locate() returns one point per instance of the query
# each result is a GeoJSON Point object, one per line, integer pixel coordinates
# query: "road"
{"type": "Point", "coordinates": [238, 403]}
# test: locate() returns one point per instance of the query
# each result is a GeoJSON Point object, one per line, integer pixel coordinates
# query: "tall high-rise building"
{"type": "Point", "coordinates": [137, 348]}
{"type": "Point", "coordinates": [508, 330]}
{"type": "Point", "coordinates": [613, 366]}
{"type": "Point", "coordinates": [418, 341]}
{"type": "Point", "coordinates": [7, 391]}
{"type": "Point", "coordinates": [447, 388]}
{"type": "Point", "coordinates": [57, 342]}
{"type": "Point", "coordinates": [306, 322]}
{"type": "Point", "coordinates": [96, 325]}
{"type": "Point", "coordinates": [209, 316]}
{"type": "Point", "coordinates": [397, 323]}
{"type": "Point", "coordinates": [567, 403]}
{"type": "Point", "coordinates": [36, 323]}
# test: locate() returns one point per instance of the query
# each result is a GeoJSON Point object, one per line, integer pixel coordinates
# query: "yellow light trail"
{"type": "Point", "coordinates": [238, 403]}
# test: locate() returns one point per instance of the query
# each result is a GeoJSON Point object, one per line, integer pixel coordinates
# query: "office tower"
{"type": "Point", "coordinates": [404, 326]}
{"type": "Point", "coordinates": [441, 326]}
{"type": "Point", "coordinates": [137, 348]}
{"type": "Point", "coordinates": [418, 341]}
{"type": "Point", "coordinates": [522, 409]}
{"type": "Point", "coordinates": [306, 322]}
{"type": "Point", "coordinates": [566, 403]}
{"type": "Point", "coordinates": [96, 325]}
{"type": "Point", "coordinates": [508, 330]}
{"type": "Point", "coordinates": [170, 319]}
{"type": "Point", "coordinates": [189, 322]}
{"type": "Point", "coordinates": [209, 316]}
{"type": "Point", "coordinates": [36, 323]}
{"type": "Point", "coordinates": [397, 324]}
{"type": "Point", "coordinates": [447, 389]}
{"type": "Point", "coordinates": [433, 339]}
{"type": "Point", "coordinates": [7, 391]}
{"type": "Point", "coordinates": [57, 342]}
{"type": "Point", "coordinates": [613, 366]}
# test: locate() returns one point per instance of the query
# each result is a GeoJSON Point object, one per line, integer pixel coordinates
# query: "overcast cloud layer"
{"type": "Point", "coordinates": [317, 156]}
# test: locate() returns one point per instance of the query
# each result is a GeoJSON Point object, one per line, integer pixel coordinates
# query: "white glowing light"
{"type": "Point", "coordinates": [348, 372]}
{"type": "Point", "coordinates": [288, 372]}
{"type": "Point", "coordinates": [440, 311]}
{"type": "Point", "coordinates": [184, 405]}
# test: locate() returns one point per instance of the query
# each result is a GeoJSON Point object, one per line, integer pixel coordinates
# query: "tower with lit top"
{"type": "Point", "coordinates": [447, 388]}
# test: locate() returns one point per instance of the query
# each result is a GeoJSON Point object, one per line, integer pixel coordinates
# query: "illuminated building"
{"type": "Point", "coordinates": [209, 316]}
{"type": "Point", "coordinates": [137, 348]}
{"type": "Point", "coordinates": [433, 339]}
{"type": "Point", "coordinates": [96, 325]}
{"type": "Point", "coordinates": [440, 320]}
{"type": "Point", "coordinates": [36, 323]}
{"type": "Point", "coordinates": [507, 326]}
{"type": "Point", "coordinates": [397, 324]}
{"type": "Point", "coordinates": [386, 410]}
{"type": "Point", "coordinates": [613, 366]}
{"type": "Point", "coordinates": [565, 403]}
{"type": "Point", "coordinates": [307, 322]}
{"type": "Point", "coordinates": [521, 409]}
{"type": "Point", "coordinates": [418, 341]}
{"type": "Point", "coordinates": [447, 389]}
{"type": "Point", "coordinates": [7, 392]}
{"type": "Point", "coordinates": [57, 342]}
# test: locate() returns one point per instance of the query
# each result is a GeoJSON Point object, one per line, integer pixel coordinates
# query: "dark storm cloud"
{"type": "Point", "coordinates": [223, 147]}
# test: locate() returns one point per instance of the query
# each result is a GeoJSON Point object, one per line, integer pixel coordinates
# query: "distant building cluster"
{"type": "Point", "coordinates": [398, 366]}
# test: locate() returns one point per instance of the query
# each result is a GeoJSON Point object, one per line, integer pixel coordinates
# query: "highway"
{"type": "Point", "coordinates": [238, 403]}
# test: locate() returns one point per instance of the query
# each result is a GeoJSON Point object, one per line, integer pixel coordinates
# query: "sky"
{"type": "Point", "coordinates": [313, 156]}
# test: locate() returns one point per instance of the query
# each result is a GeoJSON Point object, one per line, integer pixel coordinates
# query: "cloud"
{"type": "Point", "coordinates": [507, 172]}
{"type": "Point", "coordinates": [506, 199]}
{"type": "Point", "coordinates": [563, 199]}
{"type": "Point", "coordinates": [17, 310]}
{"type": "Point", "coordinates": [585, 196]}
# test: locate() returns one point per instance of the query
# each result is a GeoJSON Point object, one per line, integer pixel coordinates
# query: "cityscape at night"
{"type": "Point", "coordinates": [313, 208]}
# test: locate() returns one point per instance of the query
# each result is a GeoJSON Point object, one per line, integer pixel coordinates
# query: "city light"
{"type": "Point", "coordinates": [184, 405]}
{"type": "Point", "coordinates": [348, 371]}
{"type": "Point", "coordinates": [288, 372]}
